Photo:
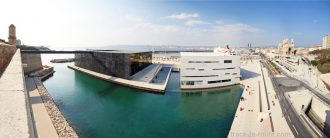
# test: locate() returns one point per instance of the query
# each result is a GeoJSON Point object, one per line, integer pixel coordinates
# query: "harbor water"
{"type": "Point", "coordinates": [97, 108]}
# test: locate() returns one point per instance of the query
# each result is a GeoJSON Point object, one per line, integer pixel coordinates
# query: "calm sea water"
{"type": "Point", "coordinates": [139, 48]}
{"type": "Point", "coordinates": [99, 109]}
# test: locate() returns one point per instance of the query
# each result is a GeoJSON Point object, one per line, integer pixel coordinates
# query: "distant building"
{"type": "Point", "coordinates": [326, 41]}
{"type": "Point", "coordinates": [207, 70]}
{"type": "Point", "coordinates": [286, 47]}
{"type": "Point", "coordinates": [302, 51]}
{"type": "Point", "coordinates": [316, 47]}
{"type": "Point", "coordinates": [12, 35]}
{"type": "Point", "coordinates": [18, 42]}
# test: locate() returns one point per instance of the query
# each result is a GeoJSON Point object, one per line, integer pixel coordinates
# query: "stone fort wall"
{"type": "Point", "coordinates": [31, 63]}
{"type": "Point", "coordinates": [6, 53]}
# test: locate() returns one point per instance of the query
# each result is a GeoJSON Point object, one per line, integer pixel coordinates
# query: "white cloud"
{"type": "Point", "coordinates": [144, 31]}
{"type": "Point", "coordinates": [195, 22]}
{"type": "Point", "coordinates": [236, 28]}
{"type": "Point", "coordinates": [183, 16]}
{"type": "Point", "coordinates": [141, 23]}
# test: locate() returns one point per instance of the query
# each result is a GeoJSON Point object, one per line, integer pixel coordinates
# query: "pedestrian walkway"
{"type": "Point", "coordinates": [252, 118]}
{"type": "Point", "coordinates": [147, 74]}
{"type": "Point", "coordinates": [15, 117]}
{"type": "Point", "coordinates": [161, 76]}
{"type": "Point", "coordinates": [43, 123]}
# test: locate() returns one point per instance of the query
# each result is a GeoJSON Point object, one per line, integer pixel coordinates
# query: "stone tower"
{"type": "Point", "coordinates": [12, 35]}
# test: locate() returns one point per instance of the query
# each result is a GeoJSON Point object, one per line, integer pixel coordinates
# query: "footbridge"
{"type": "Point", "coordinates": [53, 51]}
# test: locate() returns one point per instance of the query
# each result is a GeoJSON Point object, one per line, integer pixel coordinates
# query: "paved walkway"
{"type": "Point", "coordinates": [161, 76]}
{"type": "Point", "coordinates": [15, 117]}
{"type": "Point", "coordinates": [249, 120]}
{"type": "Point", "coordinates": [44, 125]}
{"type": "Point", "coordinates": [131, 83]}
{"type": "Point", "coordinates": [147, 74]}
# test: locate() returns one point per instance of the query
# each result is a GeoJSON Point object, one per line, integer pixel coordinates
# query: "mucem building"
{"type": "Point", "coordinates": [122, 64]}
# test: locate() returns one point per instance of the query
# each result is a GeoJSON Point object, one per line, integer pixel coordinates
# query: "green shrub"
{"type": "Point", "coordinates": [314, 62]}
{"type": "Point", "coordinates": [324, 68]}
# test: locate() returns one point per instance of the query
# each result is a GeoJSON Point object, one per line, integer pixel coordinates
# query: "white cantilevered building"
{"type": "Point", "coordinates": [208, 70]}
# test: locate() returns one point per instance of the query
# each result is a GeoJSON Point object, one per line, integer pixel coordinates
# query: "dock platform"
{"type": "Point", "coordinates": [154, 87]}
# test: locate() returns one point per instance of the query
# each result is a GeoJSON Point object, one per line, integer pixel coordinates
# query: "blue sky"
{"type": "Point", "coordinates": [78, 23]}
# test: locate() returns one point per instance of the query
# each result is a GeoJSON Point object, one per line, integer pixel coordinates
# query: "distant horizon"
{"type": "Point", "coordinates": [150, 46]}
{"type": "Point", "coordinates": [180, 23]}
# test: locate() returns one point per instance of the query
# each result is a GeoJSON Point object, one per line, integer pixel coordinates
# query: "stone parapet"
{"type": "Point", "coordinates": [15, 112]}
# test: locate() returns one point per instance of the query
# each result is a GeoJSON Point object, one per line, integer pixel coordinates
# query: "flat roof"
{"type": "Point", "coordinates": [120, 51]}
{"type": "Point", "coordinates": [203, 54]}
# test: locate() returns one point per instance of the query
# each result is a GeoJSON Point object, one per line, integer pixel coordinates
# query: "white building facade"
{"type": "Point", "coordinates": [326, 41]}
{"type": "Point", "coordinates": [286, 47]}
{"type": "Point", "coordinates": [208, 70]}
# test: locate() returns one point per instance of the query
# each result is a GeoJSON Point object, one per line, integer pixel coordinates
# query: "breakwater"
{"type": "Point", "coordinates": [62, 60]}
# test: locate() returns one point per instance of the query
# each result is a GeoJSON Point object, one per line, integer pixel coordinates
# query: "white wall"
{"type": "Point", "coordinates": [206, 69]}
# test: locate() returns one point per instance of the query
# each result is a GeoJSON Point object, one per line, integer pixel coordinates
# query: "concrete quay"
{"type": "Point", "coordinates": [61, 125]}
{"type": "Point", "coordinates": [155, 87]}
{"type": "Point", "coordinates": [43, 123]}
{"type": "Point", "coordinates": [253, 117]}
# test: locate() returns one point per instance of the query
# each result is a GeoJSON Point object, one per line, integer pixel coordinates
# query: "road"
{"type": "Point", "coordinates": [315, 92]}
{"type": "Point", "coordinates": [298, 128]}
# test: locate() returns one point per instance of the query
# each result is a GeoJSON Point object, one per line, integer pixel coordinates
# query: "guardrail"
{"type": "Point", "coordinates": [260, 100]}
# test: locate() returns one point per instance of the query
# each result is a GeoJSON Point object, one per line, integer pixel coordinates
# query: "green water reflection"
{"type": "Point", "coordinates": [101, 109]}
